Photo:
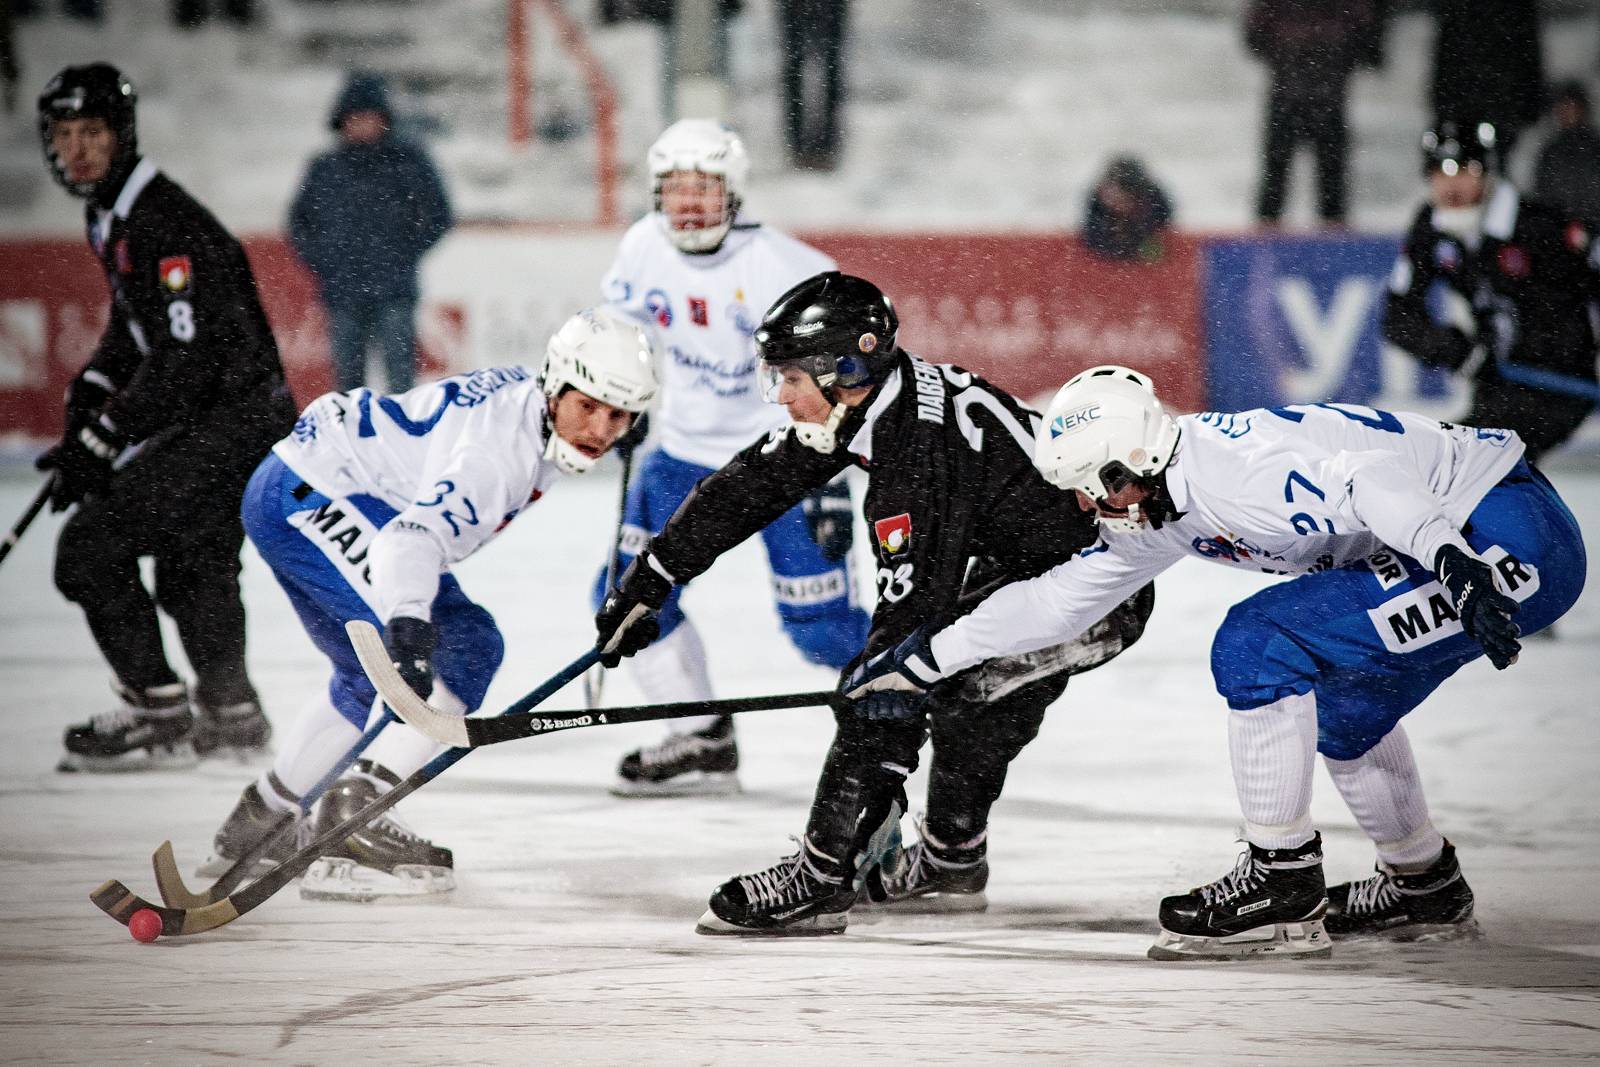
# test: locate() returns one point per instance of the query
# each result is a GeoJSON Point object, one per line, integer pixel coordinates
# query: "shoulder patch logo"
{"type": "Point", "coordinates": [175, 273]}
{"type": "Point", "coordinates": [893, 533]}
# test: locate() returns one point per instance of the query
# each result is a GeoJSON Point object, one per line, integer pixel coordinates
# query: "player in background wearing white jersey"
{"type": "Point", "coordinates": [704, 276]}
{"type": "Point", "coordinates": [360, 512]}
{"type": "Point", "coordinates": [1415, 543]}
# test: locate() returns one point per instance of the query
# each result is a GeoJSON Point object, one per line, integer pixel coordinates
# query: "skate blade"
{"type": "Point", "coordinates": [1420, 933]}
{"type": "Point", "coordinates": [337, 878]}
{"type": "Point", "coordinates": [243, 755]}
{"type": "Point", "coordinates": [928, 904]}
{"type": "Point", "coordinates": [713, 925]}
{"type": "Point", "coordinates": [693, 784]}
{"type": "Point", "coordinates": [174, 757]}
{"type": "Point", "coordinates": [1299, 940]}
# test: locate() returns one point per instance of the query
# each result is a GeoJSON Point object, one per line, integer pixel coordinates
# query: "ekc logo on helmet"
{"type": "Point", "coordinates": [1074, 420]}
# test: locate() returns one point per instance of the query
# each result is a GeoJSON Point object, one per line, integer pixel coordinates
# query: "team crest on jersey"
{"type": "Point", "coordinates": [176, 274]}
{"type": "Point", "coordinates": [1514, 262]}
{"type": "Point", "coordinates": [1577, 235]}
{"type": "Point", "coordinates": [660, 308]}
{"type": "Point", "coordinates": [1447, 254]}
{"type": "Point", "coordinates": [699, 311]}
{"type": "Point", "coordinates": [894, 534]}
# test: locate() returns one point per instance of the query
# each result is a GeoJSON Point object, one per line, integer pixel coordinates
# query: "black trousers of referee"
{"type": "Point", "coordinates": [1543, 419]}
{"type": "Point", "coordinates": [177, 502]}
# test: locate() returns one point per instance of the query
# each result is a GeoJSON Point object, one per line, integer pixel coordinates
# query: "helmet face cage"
{"type": "Point", "coordinates": [700, 146]}
{"type": "Point", "coordinates": [97, 90]}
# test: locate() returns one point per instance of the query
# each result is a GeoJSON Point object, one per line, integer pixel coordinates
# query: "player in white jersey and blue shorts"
{"type": "Point", "coordinates": [1419, 546]}
{"type": "Point", "coordinates": [703, 276]}
{"type": "Point", "coordinates": [360, 512]}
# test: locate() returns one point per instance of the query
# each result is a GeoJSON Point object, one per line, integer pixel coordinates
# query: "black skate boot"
{"type": "Point", "coordinates": [241, 729]}
{"type": "Point", "coordinates": [930, 878]}
{"type": "Point", "coordinates": [704, 763]}
{"type": "Point", "coordinates": [1271, 902]}
{"type": "Point", "coordinates": [803, 894]}
{"type": "Point", "coordinates": [149, 730]}
{"type": "Point", "coordinates": [382, 859]}
{"type": "Point", "coordinates": [1436, 902]}
{"type": "Point", "coordinates": [251, 820]}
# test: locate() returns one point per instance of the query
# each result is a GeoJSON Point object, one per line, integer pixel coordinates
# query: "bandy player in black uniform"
{"type": "Point", "coordinates": [188, 372]}
{"type": "Point", "coordinates": [955, 507]}
{"type": "Point", "coordinates": [1532, 277]}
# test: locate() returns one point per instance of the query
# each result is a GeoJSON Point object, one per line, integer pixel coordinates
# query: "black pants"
{"type": "Point", "coordinates": [1542, 419]}
{"type": "Point", "coordinates": [812, 38]}
{"type": "Point", "coordinates": [178, 502]}
{"type": "Point", "coordinates": [1290, 122]}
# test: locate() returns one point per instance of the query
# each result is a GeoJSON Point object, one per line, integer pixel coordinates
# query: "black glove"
{"type": "Point", "coordinates": [411, 643]}
{"type": "Point", "coordinates": [629, 619]}
{"type": "Point", "coordinates": [625, 445]}
{"type": "Point", "coordinates": [82, 463]}
{"type": "Point", "coordinates": [1448, 348]}
{"type": "Point", "coordinates": [1485, 612]}
{"type": "Point", "coordinates": [830, 519]}
{"type": "Point", "coordinates": [85, 399]}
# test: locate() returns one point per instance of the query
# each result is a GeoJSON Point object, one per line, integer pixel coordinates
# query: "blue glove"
{"type": "Point", "coordinates": [410, 643]}
{"type": "Point", "coordinates": [830, 519]}
{"type": "Point", "coordinates": [894, 684]}
{"type": "Point", "coordinates": [1485, 612]}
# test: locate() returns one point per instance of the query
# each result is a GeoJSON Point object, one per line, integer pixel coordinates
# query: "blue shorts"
{"type": "Point", "coordinates": [1373, 638]}
{"type": "Point", "coordinates": [317, 550]}
{"type": "Point", "coordinates": [816, 598]}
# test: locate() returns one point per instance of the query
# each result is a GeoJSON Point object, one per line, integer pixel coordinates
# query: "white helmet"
{"type": "Point", "coordinates": [1102, 431]}
{"type": "Point", "coordinates": [606, 355]}
{"type": "Point", "coordinates": [710, 147]}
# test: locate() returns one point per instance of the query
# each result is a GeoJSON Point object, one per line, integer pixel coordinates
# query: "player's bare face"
{"type": "Point", "coordinates": [691, 200]}
{"type": "Point", "coordinates": [589, 425]}
{"type": "Point", "coordinates": [1114, 505]}
{"type": "Point", "coordinates": [1463, 188]}
{"type": "Point", "coordinates": [85, 147]}
{"type": "Point", "coordinates": [800, 395]}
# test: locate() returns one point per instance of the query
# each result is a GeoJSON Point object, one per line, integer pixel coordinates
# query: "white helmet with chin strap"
{"type": "Point", "coordinates": [707, 147]}
{"type": "Point", "coordinates": [1105, 430]}
{"type": "Point", "coordinates": [603, 354]}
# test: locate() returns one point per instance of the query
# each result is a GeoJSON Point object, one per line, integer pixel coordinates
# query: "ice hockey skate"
{"type": "Point", "coordinates": [1435, 904]}
{"type": "Point", "coordinates": [240, 729]}
{"type": "Point", "coordinates": [804, 894]}
{"type": "Point", "coordinates": [379, 861]}
{"type": "Point", "coordinates": [149, 729]}
{"type": "Point", "coordinates": [1271, 903]}
{"type": "Point", "coordinates": [251, 819]}
{"type": "Point", "coordinates": [704, 763]}
{"type": "Point", "coordinates": [927, 878]}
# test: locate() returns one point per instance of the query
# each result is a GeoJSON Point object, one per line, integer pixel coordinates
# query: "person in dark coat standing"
{"type": "Point", "coordinates": [1567, 175]}
{"type": "Point", "coordinates": [1310, 47]}
{"type": "Point", "coordinates": [1128, 214]}
{"type": "Point", "coordinates": [812, 35]}
{"type": "Point", "coordinates": [364, 216]}
{"type": "Point", "coordinates": [1488, 66]}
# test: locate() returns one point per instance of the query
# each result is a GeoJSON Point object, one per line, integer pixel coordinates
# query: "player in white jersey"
{"type": "Point", "coordinates": [1415, 541]}
{"type": "Point", "coordinates": [360, 512]}
{"type": "Point", "coordinates": [704, 276]}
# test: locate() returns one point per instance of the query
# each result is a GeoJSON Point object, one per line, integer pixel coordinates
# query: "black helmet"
{"type": "Point", "coordinates": [839, 328]}
{"type": "Point", "coordinates": [1453, 146]}
{"type": "Point", "coordinates": [97, 90]}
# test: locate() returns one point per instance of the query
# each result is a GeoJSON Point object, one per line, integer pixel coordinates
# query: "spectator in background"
{"type": "Point", "coordinates": [365, 214]}
{"type": "Point", "coordinates": [1567, 175]}
{"type": "Point", "coordinates": [663, 13]}
{"type": "Point", "coordinates": [1488, 66]}
{"type": "Point", "coordinates": [192, 14]}
{"type": "Point", "coordinates": [1128, 214]}
{"type": "Point", "coordinates": [10, 73]}
{"type": "Point", "coordinates": [812, 38]}
{"type": "Point", "coordinates": [1310, 48]}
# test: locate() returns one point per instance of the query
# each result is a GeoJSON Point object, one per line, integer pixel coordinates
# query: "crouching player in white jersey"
{"type": "Point", "coordinates": [704, 277]}
{"type": "Point", "coordinates": [360, 512]}
{"type": "Point", "coordinates": [1416, 543]}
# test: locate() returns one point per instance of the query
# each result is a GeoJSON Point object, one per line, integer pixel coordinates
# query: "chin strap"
{"type": "Point", "coordinates": [822, 438]}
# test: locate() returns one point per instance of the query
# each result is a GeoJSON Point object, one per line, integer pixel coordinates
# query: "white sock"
{"type": "Point", "coordinates": [674, 668]}
{"type": "Point", "coordinates": [1384, 792]}
{"type": "Point", "coordinates": [1273, 749]}
{"type": "Point", "coordinates": [318, 739]}
{"type": "Point", "coordinates": [402, 750]}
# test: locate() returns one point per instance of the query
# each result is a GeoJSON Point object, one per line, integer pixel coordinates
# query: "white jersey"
{"type": "Point", "coordinates": [458, 459]}
{"type": "Point", "coordinates": [1288, 491]}
{"type": "Point", "coordinates": [707, 308]}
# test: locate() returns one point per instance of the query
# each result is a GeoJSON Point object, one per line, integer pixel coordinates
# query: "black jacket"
{"type": "Point", "coordinates": [951, 480]}
{"type": "Point", "coordinates": [188, 342]}
{"type": "Point", "coordinates": [1533, 283]}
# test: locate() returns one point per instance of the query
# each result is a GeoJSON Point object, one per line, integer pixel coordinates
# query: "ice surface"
{"type": "Point", "coordinates": [570, 939]}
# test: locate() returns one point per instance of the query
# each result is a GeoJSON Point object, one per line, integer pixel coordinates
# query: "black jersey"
{"type": "Point", "coordinates": [187, 338]}
{"type": "Point", "coordinates": [1533, 283]}
{"type": "Point", "coordinates": [950, 480]}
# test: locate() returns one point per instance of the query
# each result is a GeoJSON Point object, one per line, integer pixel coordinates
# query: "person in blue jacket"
{"type": "Point", "coordinates": [366, 212]}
